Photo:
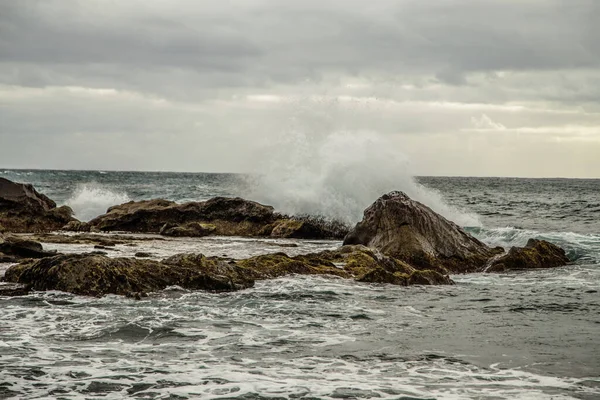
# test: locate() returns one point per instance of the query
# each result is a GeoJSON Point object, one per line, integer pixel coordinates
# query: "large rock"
{"type": "Point", "coordinates": [96, 275]}
{"type": "Point", "coordinates": [13, 248]}
{"type": "Point", "coordinates": [219, 216]}
{"type": "Point", "coordinates": [23, 209]}
{"type": "Point", "coordinates": [410, 231]}
{"type": "Point", "coordinates": [536, 254]}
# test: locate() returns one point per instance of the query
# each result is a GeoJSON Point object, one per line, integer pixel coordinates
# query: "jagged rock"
{"type": "Point", "coordinates": [191, 229]}
{"type": "Point", "coordinates": [17, 247]}
{"type": "Point", "coordinates": [96, 275]}
{"type": "Point", "coordinates": [219, 216]}
{"type": "Point", "coordinates": [535, 254]}
{"type": "Point", "coordinates": [410, 231]}
{"type": "Point", "coordinates": [23, 209]}
{"type": "Point", "coordinates": [230, 216]}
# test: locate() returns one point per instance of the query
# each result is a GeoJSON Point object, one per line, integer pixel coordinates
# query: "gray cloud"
{"type": "Point", "coordinates": [213, 74]}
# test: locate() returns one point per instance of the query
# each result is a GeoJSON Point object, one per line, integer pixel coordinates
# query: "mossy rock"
{"type": "Point", "coordinates": [96, 275]}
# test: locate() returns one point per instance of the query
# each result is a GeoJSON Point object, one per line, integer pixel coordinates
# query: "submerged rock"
{"type": "Point", "coordinates": [410, 231]}
{"type": "Point", "coordinates": [97, 275]}
{"type": "Point", "coordinates": [23, 209]}
{"type": "Point", "coordinates": [535, 254]}
{"type": "Point", "coordinates": [218, 216]}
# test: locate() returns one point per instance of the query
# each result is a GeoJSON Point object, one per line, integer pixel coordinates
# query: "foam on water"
{"type": "Point", "coordinates": [338, 175]}
{"type": "Point", "coordinates": [90, 200]}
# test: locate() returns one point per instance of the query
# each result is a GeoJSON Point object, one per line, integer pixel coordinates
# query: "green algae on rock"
{"type": "Point", "coordinates": [535, 254]}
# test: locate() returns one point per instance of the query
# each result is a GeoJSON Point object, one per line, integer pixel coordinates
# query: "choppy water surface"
{"type": "Point", "coordinates": [530, 335]}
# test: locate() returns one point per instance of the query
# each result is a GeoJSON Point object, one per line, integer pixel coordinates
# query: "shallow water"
{"type": "Point", "coordinates": [526, 335]}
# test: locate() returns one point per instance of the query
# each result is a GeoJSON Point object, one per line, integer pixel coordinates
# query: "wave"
{"type": "Point", "coordinates": [90, 200]}
{"type": "Point", "coordinates": [338, 175]}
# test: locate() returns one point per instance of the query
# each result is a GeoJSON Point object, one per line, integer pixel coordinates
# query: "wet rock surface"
{"type": "Point", "coordinates": [23, 209]}
{"type": "Point", "coordinates": [536, 254]}
{"type": "Point", "coordinates": [13, 248]}
{"type": "Point", "coordinates": [96, 275]}
{"type": "Point", "coordinates": [218, 216]}
{"type": "Point", "coordinates": [410, 231]}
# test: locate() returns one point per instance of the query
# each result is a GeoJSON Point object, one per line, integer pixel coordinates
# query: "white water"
{"type": "Point", "coordinates": [338, 175]}
{"type": "Point", "coordinates": [90, 200]}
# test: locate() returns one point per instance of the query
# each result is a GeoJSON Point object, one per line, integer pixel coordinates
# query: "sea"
{"type": "Point", "coordinates": [516, 335]}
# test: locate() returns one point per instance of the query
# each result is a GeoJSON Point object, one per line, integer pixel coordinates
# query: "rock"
{"type": "Point", "coordinates": [191, 229]}
{"type": "Point", "coordinates": [14, 289]}
{"type": "Point", "coordinates": [219, 216]}
{"type": "Point", "coordinates": [142, 254]}
{"type": "Point", "coordinates": [18, 247]}
{"type": "Point", "coordinates": [77, 226]}
{"type": "Point", "coordinates": [308, 228]}
{"type": "Point", "coordinates": [230, 216]}
{"type": "Point", "coordinates": [96, 275]}
{"type": "Point", "coordinates": [535, 254]}
{"type": "Point", "coordinates": [269, 266]}
{"type": "Point", "coordinates": [23, 209]}
{"type": "Point", "coordinates": [410, 231]}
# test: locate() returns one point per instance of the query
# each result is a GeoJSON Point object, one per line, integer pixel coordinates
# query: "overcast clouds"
{"type": "Point", "coordinates": [482, 87]}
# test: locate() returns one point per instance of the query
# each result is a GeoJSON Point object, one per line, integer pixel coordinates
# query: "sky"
{"type": "Point", "coordinates": [453, 87]}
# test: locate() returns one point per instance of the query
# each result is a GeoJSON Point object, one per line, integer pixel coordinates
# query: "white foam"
{"type": "Point", "coordinates": [90, 200]}
{"type": "Point", "coordinates": [338, 175]}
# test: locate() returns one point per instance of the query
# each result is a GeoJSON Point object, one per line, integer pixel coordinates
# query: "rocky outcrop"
{"type": "Point", "coordinates": [218, 216]}
{"type": "Point", "coordinates": [77, 226]}
{"type": "Point", "coordinates": [410, 231]}
{"type": "Point", "coordinates": [96, 275]}
{"type": "Point", "coordinates": [535, 254]}
{"type": "Point", "coordinates": [14, 248]}
{"type": "Point", "coordinates": [23, 209]}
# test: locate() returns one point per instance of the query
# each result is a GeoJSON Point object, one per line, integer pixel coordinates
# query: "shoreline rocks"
{"type": "Point", "coordinates": [217, 216]}
{"type": "Point", "coordinates": [410, 231]}
{"type": "Point", "coordinates": [97, 275]}
{"type": "Point", "coordinates": [23, 209]}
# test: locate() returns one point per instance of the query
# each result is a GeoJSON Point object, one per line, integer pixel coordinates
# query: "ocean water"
{"type": "Point", "coordinates": [525, 335]}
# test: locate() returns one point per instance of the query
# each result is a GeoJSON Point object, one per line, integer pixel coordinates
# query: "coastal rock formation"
{"type": "Point", "coordinates": [23, 209]}
{"type": "Point", "coordinates": [535, 254]}
{"type": "Point", "coordinates": [13, 248]}
{"type": "Point", "coordinates": [96, 275]}
{"type": "Point", "coordinates": [410, 231]}
{"type": "Point", "coordinates": [219, 216]}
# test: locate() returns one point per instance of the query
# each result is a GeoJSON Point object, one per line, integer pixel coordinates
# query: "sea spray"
{"type": "Point", "coordinates": [90, 200]}
{"type": "Point", "coordinates": [336, 174]}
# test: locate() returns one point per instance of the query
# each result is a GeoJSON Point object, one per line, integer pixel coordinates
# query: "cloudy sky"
{"type": "Point", "coordinates": [454, 87]}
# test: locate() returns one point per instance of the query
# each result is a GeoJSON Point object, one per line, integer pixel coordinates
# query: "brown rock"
{"type": "Point", "coordinates": [410, 231]}
{"type": "Point", "coordinates": [535, 254]}
{"type": "Point", "coordinates": [96, 275]}
{"type": "Point", "coordinates": [23, 209]}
